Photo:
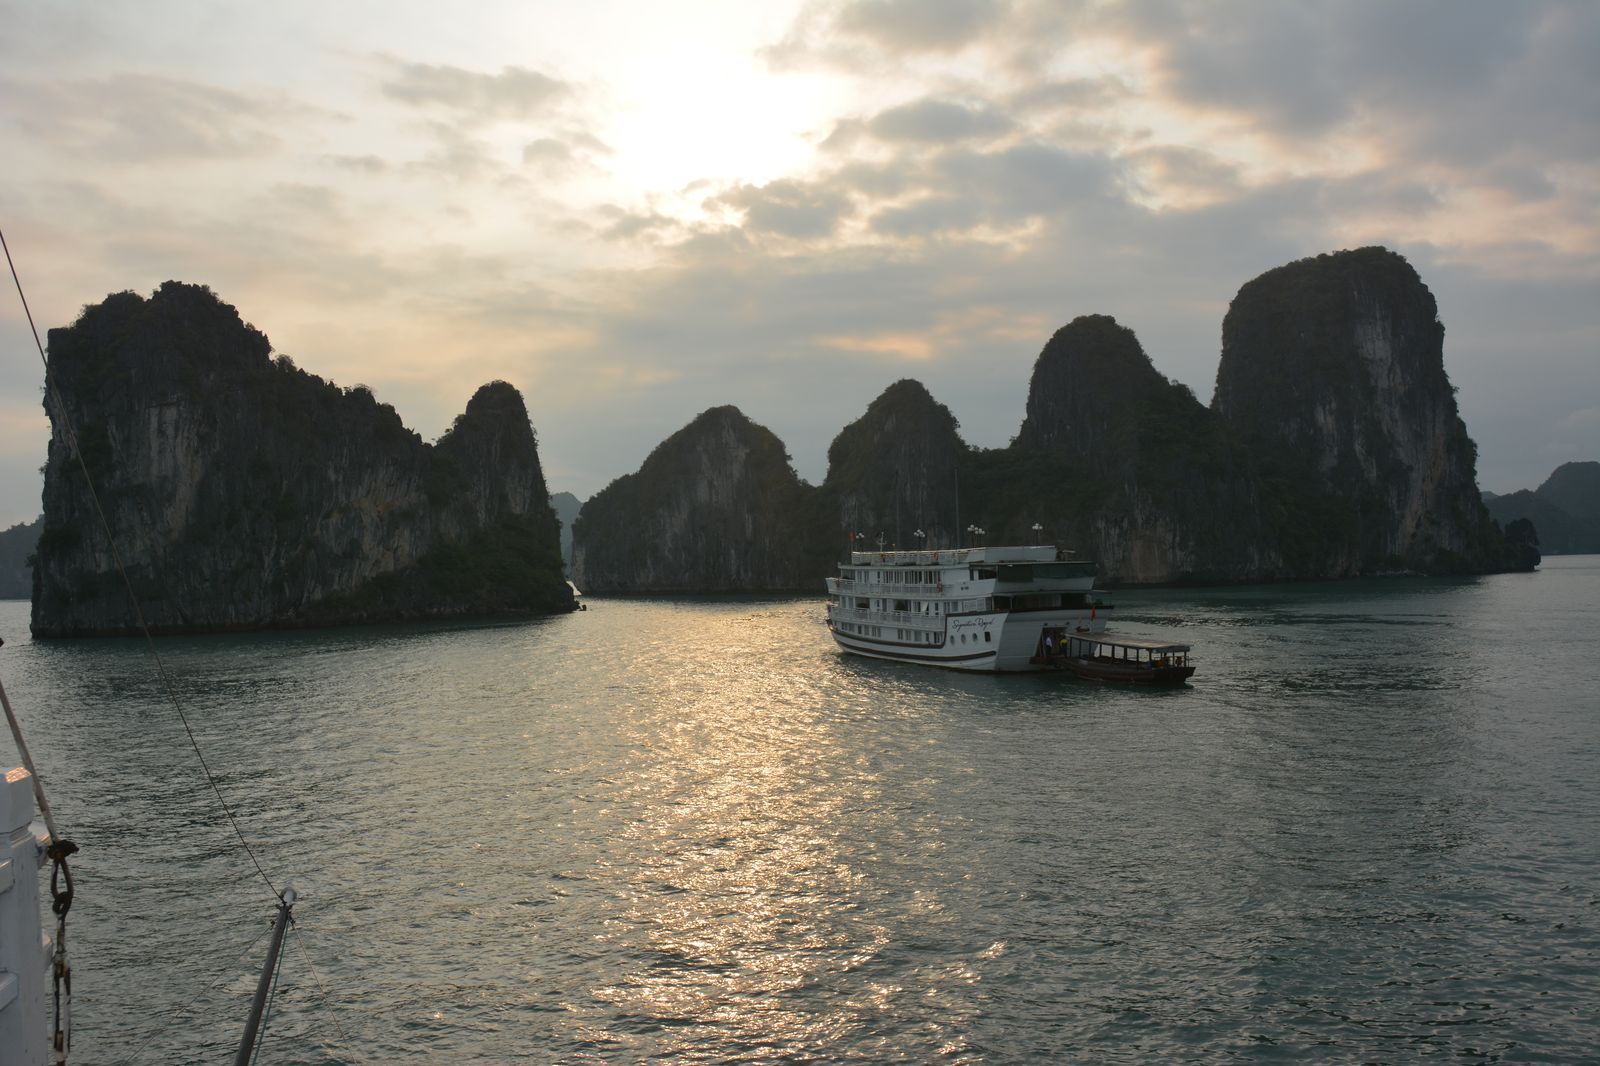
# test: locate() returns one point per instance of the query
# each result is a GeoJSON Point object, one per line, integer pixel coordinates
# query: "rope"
{"type": "Point", "coordinates": [161, 1026]}
{"type": "Point", "coordinates": [294, 927]}
{"type": "Point", "coordinates": [71, 435]}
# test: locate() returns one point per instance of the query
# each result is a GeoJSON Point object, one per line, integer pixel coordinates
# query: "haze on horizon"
{"type": "Point", "coordinates": [636, 212]}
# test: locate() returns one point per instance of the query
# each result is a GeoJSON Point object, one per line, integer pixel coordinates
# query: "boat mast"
{"type": "Point", "coordinates": [269, 974]}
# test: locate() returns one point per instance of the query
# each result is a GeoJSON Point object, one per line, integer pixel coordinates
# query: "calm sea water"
{"type": "Point", "coordinates": [692, 831]}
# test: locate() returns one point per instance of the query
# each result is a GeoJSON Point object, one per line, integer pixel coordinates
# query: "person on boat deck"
{"type": "Point", "coordinates": [1049, 646]}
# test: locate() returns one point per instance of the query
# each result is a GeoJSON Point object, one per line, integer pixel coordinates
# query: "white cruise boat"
{"type": "Point", "coordinates": [967, 608]}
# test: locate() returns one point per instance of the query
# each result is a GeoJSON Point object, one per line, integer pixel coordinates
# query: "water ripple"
{"type": "Point", "coordinates": [693, 832]}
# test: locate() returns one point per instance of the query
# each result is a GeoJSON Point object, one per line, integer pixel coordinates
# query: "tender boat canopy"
{"type": "Point", "coordinates": [1106, 642]}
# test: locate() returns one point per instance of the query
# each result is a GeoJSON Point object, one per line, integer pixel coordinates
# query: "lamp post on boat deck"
{"type": "Point", "coordinates": [1037, 531]}
{"type": "Point", "coordinates": [972, 535]}
{"type": "Point", "coordinates": [922, 538]}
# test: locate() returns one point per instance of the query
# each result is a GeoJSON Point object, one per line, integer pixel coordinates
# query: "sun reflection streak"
{"type": "Point", "coordinates": [749, 906]}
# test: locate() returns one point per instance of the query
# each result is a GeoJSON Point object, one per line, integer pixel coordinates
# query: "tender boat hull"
{"type": "Point", "coordinates": [1126, 674]}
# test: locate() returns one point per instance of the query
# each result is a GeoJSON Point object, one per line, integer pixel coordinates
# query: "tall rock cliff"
{"type": "Point", "coordinates": [716, 507]}
{"type": "Point", "coordinates": [1332, 372]}
{"type": "Point", "coordinates": [1332, 447]}
{"type": "Point", "coordinates": [896, 469]}
{"type": "Point", "coordinates": [244, 493]}
{"type": "Point", "coordinates": [1126, 467]}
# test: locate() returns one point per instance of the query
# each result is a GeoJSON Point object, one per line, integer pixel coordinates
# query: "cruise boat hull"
{"type": "Point", "coordinates": [1013, 642]}
{"type": "Point", "coordinates": [980, 609]}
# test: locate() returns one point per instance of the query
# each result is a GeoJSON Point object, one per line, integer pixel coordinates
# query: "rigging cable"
{"type": "Point", "coordinates": [294, 927]}
{"type": "Point", "coordinates": [189, 1006]}
{"type": "Point", "coordinates": [60, 849]}
{"type": "Point", "coordinates": [70, 433]}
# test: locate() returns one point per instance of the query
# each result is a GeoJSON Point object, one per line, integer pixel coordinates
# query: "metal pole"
{"type": "Point", "coordinates": [248, 1043]}
{"type": "Point", "coordinates": [27, 763]}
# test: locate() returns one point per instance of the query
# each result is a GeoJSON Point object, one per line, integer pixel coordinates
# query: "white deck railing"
{"type": "Point", "coordinates": [847, 587]}
{"type": "Point", "coordinates": [904, 619]}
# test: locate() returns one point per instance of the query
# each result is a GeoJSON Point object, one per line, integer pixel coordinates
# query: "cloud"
{"type": "Point", "coordinates": [1073, 95]}
{"type": "Point", "coordinates": [548, 153]}
{"type": "Point", "coordinates": [365, 165]}
{"type": "Point", "coordinates": [1269, 60]}
{"type": "Point", "coordinates": [149, 120]}
{"type": "Point", "coordinates": [1027, 179]}
{"type": "Point", "coordinates": [514, 93]}
{"type": "Point", "coordinates": [942, 121]}
{"type": "Point", "coordinates": [929, 217]}
{"type": "Point", "coordinates": [620, 224]}
{"type": "Point", "coordinates": [1179, 174]}
{"type": "Point", "coordinates": [573, 152]}
{"type": "Point", "coordinates": [457, 155]}
{"type": "Point", "coordinates": [793, 209]}
{"type": "Point", "coordinates": [849, 34]}
{"type": "Point", "coordinates": [917, 25]}
{"type": "Point", "coordinates": [1583, 420]}
{"type": "Point", "coordinates": [1431, 82]}
{"type": "Point", "coordinates": [986, 172]}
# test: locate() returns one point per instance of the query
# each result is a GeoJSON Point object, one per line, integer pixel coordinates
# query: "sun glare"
{"type": "Point", "coordinates": [699, 113]}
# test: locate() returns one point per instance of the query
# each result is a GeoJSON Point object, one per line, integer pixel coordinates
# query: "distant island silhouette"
{"type": "Point", "coordinates": [1332, 448]}
{"type": "Point", "coordinates": [247, 493]}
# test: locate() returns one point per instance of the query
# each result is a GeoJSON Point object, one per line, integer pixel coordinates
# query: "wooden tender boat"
{"type": "Point", "coordinates": [1114, 658]}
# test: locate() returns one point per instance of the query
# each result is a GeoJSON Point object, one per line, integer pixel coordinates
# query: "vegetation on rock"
{"type": "Point", "coordinates": [244, 492]}
{"type": "Point", "coordinates": [1332, 374]}
{"type": "Point", "coordinates": [897, 469]}
{"type": "Point", "coordinates": [1332, 447]}
{"type": "Point", "coordinates": [716, 507]}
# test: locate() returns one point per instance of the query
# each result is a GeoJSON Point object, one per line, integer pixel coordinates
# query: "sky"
{"type": "Point", "coordinates": [634, 212]}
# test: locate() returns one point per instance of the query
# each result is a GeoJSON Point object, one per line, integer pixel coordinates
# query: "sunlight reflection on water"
{"type": "Point", "coordinates": [693, 831]}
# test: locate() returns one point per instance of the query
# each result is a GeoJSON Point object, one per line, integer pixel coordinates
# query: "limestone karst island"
{"type": "Point", "coordinates": [246, 493]}
{"type": "Point", "coordinates": [1331, 448]}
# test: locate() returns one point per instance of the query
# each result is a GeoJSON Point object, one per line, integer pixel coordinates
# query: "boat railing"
{"type": "Point", "coordinates": [904, 619]}
{"type": "Point", "coordinates": [884, 588]}
{"type": "Point", "coordinates": [914, 558]}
